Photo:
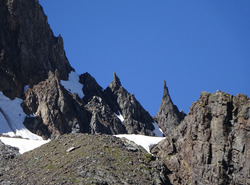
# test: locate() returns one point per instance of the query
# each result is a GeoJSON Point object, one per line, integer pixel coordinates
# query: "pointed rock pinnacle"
{"type": "Point", "coordinates": [166, 92]}
{"type": "Point", "coordinates": [116, 80]}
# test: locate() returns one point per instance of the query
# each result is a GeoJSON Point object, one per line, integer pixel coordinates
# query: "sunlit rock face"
{"type": "Point", "coordinates": [211, 145]}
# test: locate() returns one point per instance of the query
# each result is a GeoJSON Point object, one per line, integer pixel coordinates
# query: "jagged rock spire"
{"type": "Point", "coordinates": [116, 79]}
{"type": "Point", "coordinates": [166, 97]}
{"type": "Point", "coordinates": [168, 115]}
{"type": "Point", "coordinates": [116, 83]}
{"type": "Point", "coordinates": [136, 119]}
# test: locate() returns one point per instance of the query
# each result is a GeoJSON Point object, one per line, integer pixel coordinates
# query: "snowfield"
{"type": "Point", "coordinates": [24, 145]}
{"type": "Point", "coordinates": [73, 85]}
{"type": "Point", "coordinates": [11, 125]}
{"type": "Point", "coordinates": [147, 142]}
{"type": "Point", "coordinates": [12, 118]}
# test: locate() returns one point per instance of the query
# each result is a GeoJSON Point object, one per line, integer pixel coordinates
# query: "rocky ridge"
{"type": "Point", "coordinates": [208, 146]}
{"type": "Point", "coordinates": [211, 145]}
{"type": "Point", "coordinates": [32, 65]}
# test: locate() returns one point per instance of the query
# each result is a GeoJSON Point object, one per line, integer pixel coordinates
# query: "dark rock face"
{"type": "Point", "coordinates": [105, 106]}
{"type": "Point", "coordinates": [136, 119]}
{"type": "Point", "coordinates": [168, 116]}
{"type": "Point", "coordinates": [211, 145]}
{"type": "Point", "coordinates": [56, 110]}
{"type": "Point", "coordinates": [86, 159]}
{"type": "Point", "coordinates": [90, 87]}
{"type": "Point", "coordinates": [103, 119]}
{"type": "Point", "coordinates": [28, 48]}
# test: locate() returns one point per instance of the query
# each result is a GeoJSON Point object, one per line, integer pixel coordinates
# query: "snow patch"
{"type": "Point", "coordinates": [12, 118]}
{"type": "Point", "coordinates": [157, 131]}
{"type": "Point", "coordinates": [24, 145]}
{"type": "Point", "coordinates": [121, 118]}
{"type": "Point", "coordinates": [73, 85]}
{"type": "Point", "coordinates": [147, 142]}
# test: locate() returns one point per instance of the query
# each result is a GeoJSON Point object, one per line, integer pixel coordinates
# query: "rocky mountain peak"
{"type": "Point", "coordinates": [166, 92]}
{"type": "Point", "coordinates": [116, 83]}
{"type": "Point", "coordinates": [168, 116]}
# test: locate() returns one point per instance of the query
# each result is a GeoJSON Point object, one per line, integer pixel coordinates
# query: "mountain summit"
{"type": "Point", "coordinates": [168, 116]}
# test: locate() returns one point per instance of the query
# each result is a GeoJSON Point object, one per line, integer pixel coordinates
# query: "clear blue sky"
{"type": "Point", "coordinates": [195, 45]}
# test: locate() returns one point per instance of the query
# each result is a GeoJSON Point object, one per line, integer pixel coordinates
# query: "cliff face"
{"type": "Point", "coordinates": [211, 145]}
{"type": "Point", "coordinates": [28, 48]}
{"type": "Point", "coordinates": [55, 110]}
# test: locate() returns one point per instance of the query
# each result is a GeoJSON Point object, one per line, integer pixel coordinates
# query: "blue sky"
{"type": "Point", "coordinates": [194, 45]}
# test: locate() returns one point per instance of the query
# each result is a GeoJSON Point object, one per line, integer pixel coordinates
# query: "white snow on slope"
{"type": "Point", "coordinates": [147, 142]}
{"type": "Point", "coordinates": [121, 118]}
{"type": "Point", "coordinates": [73, 85]}
{"type": "Point", "coordinates": [24, 145]}
{"type": "Point", "coordinates": [157, 131]}
{"type": "Point", "coordinates": [12, 118]}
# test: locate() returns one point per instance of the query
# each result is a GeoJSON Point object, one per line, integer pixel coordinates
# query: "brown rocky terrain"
{"type": "Point", "coordinates": [212, 144]}
{"type": "Point", "coordinates": [85, 159]}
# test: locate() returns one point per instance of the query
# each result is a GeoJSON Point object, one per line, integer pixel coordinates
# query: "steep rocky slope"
{"type": "Point", "coordinates": [85, 159]}
{"type": "Point", "coordinates": [28, 48]}
{"type": "Point", "coordinates": [136, 119]}
{"type": "Point", "coordinates": [32, 66]}
{"type": "Point", "coordinates": [168, 116]}
{"type": "Point", "coordinates": [7, 153]}
{"type": "Point", "coordinates": [56, 111]}
{"type": "Point", "coordinates": [212, 144]}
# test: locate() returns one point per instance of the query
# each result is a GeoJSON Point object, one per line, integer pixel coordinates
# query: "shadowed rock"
{"type": "Point", "coordinates": [136, 119]}
{"type": "Point", "coordinates": [168, 116]}
{"type": "Point", "coordinates": [28, 48]}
